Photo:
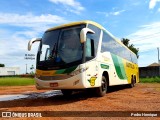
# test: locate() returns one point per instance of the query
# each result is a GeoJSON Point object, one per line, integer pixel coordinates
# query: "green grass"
{"type": "Point", "coordinates": [16, 81]}
{"type": "Point", "coordinates": [150, 80]}
{"type": "Point", "coordinates": [20, 81]}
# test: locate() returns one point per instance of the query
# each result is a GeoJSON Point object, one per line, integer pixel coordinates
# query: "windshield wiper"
{"type": "Point", "coordinates": [53, 53]}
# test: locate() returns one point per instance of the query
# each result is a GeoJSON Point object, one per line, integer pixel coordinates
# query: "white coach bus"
{"type": "Point", "coordinates": [83, 55]}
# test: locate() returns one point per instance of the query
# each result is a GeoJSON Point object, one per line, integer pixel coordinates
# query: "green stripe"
{"type": "Point", "coordinates": [60, 71]}
{"type": "Point", "coordinates": [68, 70]}
{"type": "Point", "coordinates": [118, 63]}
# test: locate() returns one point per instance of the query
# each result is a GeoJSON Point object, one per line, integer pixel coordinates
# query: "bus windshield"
{"type": "Point", "coordinates": [61, 46]}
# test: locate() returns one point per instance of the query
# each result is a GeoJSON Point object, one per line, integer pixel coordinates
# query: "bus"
{"type": "Point", "coordinates": [83, 55]}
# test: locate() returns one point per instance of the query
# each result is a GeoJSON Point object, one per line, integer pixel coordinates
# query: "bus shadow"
{"type": "Point", "coordinates": [55, 100]}
{"type": "Point", "coordinates": [117, 88]}
{"type": "Point", "coordinates": [48, 101]}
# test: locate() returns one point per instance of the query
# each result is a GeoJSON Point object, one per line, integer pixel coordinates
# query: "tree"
{"type": "Point", "coordinates": [32, 69]}
{"type": "Point", "coordinates": [125, 41]}
{"type": "Point", "coordinates": [2, 65]}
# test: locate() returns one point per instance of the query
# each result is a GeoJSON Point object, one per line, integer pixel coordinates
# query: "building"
{"type": "Point", "coordinates": [9, 71]}
{"type": "Point", "coordinates": [152, 70]}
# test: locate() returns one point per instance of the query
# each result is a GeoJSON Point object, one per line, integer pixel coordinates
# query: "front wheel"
{"type": "Point", "coordinates": [101, 91]}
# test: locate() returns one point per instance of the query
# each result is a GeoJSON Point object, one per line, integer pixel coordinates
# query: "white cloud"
{"type": "Point", "coordinates": [75, 6]}
{"type": "Point", "coordinates": [29, 19]}
{"type": "Point", "coordinates": [13, 48]}
{"type": "Point", "coordinates": [34, 25]}
{"type": "Point", "coordinates": [153, 3]}
{"type": "Point", "coordinates": [147, 40]}
{"type": "Point", "coordinates": [13, 41]}
{"type": "Point", "coordinates": [147, 37]}
{"type": "Point", "coordinates": [116, 13]}
{"type": "Point", "coordinates": [103, 13]}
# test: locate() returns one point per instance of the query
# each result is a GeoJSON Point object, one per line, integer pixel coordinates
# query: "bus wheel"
{"type": "Point", "coordinates": [132, 83]}
{"type": "Point", "coordinates": [101, 91]}
{"type": "Point", "coordinates": [67, 92]}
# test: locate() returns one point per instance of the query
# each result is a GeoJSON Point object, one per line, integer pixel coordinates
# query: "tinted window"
{"type": "Point", "coordinates": [88, 48]}
{"type": "Point", "coordinates": [70, 48]}
{"type": "Point", "coordinates": [111, 45]}
{"type": "Point", "coordinates": [94, 36]}
{"type": "Point", "coordinates": [108, 44]}
{"type": "Point", "coordinates": [134, 58]}
{"type": "Point", "coordinates": [62, 46]}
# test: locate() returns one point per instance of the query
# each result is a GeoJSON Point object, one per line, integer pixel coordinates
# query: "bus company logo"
{"type": "Point", "coordinates": [92, 81]}
{"type": "Point", "coordinates": [6, 114]}
{"type": "Point", "coordinates": [129, 65]}
{"type": "Point", "coordinates": [20, 114]}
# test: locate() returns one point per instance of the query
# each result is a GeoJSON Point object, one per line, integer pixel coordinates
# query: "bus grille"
{"type": "Point", "coordinates": [60, 77]}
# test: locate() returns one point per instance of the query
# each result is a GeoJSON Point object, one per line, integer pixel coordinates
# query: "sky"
{"type": "Point", "coordinates": [22, 20]}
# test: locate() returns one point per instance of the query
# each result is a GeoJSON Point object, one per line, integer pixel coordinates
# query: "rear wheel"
{"type": "Point", "coordinates": [133, 81]}
{"type": "Point", "coordinates": [67, 92]}
{"type": "Point", "coordinates": [101, 91]}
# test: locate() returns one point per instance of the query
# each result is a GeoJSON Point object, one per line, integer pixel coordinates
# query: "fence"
{"type": "Point", "coordinates": [152, 71]}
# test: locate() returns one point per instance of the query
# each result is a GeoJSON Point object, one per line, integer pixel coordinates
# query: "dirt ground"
{"type": "Point", "coordinates": [143, 97]}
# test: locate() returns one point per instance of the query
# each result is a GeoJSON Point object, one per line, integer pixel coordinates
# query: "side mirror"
{"type": "Point", "coordinates": [83, 34]}
{"type": "Point", "coordinates": [32, 41]}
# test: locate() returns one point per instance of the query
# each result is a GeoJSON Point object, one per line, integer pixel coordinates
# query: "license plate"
{"type": "Point", "coordinates": [53, 84]}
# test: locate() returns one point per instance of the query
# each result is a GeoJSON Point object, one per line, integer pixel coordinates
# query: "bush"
{"type": "Point", "coordinates": [27, 75]}
{"type": "Point", "coordinates": [150, 80]}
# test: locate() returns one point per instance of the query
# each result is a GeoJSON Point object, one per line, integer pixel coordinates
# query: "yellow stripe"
{"type": "Point", "coordinates": [130, 69]}
{"type": "Point", "coordinates": [45, 73]}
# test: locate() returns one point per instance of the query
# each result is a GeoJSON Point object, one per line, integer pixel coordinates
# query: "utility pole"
{"type": "Point", "coordinates": [158, 55]}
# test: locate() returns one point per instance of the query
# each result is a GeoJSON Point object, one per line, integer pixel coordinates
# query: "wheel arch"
{"type": "Point", "coordinates": [135, 78]}
{"type": "Point", "coordinates": [106, 75]}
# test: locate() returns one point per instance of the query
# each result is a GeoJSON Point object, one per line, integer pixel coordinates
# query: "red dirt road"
{"type": "Point", "coordinates": [143, 97]}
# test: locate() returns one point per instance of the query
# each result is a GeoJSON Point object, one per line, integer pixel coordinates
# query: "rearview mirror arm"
{"type": "Point", "coordinates": [33, 41]}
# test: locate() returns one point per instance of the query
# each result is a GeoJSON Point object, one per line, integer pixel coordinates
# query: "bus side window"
{"type": "Point", "coordinates": [92, 46]}
{"type": "Point", "coordinates": [89, 48]}
{"type": "Point", "coordinates": [95, 37]}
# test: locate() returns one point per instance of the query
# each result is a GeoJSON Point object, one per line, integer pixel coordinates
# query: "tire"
{"type": "Point", "coordinates": [67, 92]}
{"type": "Point", "coordinates": [132, 83]}
{"type": "Point", "coordinates": [101, 91]}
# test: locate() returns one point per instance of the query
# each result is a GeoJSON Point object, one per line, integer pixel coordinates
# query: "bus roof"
{"type": "Point", "coordinates": [88, 22]}
{"type": "Point", "coordinates": [77, 23]}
